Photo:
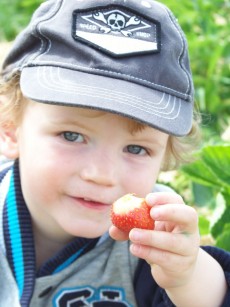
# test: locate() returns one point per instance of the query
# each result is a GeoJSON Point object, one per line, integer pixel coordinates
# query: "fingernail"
{"type": "Point", "coordinates": [155, 213]}
{"type": "Point", "coordinates": [135, 235]}
{"type": "Point", "coordinates": [149, 198]}
{"type": "Point", "coordinates": [135, 249]}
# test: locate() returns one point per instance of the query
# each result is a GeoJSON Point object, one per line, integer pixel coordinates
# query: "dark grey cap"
{"type": "Point", "coordinates": [124, 56]}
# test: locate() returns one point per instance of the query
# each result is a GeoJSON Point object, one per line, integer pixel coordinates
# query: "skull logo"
{"type": "Point", "coordinates": [116, 22]}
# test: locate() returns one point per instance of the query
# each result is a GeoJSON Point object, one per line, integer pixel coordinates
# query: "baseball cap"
{"type": "Point", "coordinates": [128, 57]}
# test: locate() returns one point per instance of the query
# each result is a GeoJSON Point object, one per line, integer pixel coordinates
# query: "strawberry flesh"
{"type": "Point", "coordinates": [130, 212]}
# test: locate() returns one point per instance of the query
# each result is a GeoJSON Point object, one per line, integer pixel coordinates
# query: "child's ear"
{"type": "Point", "coordinates": [9, 142]}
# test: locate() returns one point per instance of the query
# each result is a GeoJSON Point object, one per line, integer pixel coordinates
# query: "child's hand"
{"type": "Point", "coordinates": [171, 248]}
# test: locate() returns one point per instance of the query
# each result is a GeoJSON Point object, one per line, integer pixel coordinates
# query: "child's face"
{"type": "Point", "coordinates": [76, 162]}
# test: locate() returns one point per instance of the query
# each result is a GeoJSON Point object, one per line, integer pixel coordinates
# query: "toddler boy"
{"type": "Point", "coordinates": [96, 98]}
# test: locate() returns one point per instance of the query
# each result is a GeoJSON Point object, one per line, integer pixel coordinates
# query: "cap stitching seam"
{"type": "Point", "coordinates": [174, 24]}
{"type": "Point", "coordinates": [115, 93]}
{"type": "Point", "coordinates": [83, 69]}
{"type": "Point", "coordinates": [105, 95]}
{"type": "Point", "coordinates": [42, 36]}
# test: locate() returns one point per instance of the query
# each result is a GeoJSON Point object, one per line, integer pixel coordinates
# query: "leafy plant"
{"type": "Point", "coordinates": [212, 170]}
{"type": "Point", "coordinates": [206, 24]}
{"type": "Point", "coordinates": [14, 16]}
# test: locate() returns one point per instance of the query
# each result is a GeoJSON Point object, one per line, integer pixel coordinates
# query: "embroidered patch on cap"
{"type": "Point", "coordinates": [116, 30]}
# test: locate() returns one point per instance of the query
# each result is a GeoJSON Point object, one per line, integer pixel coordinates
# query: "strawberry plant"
{"type": "Point", "coordinates": [210, 176]}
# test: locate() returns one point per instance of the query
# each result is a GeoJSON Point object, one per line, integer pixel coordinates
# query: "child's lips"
{"type": "Point", "coordinates": [91, 204]}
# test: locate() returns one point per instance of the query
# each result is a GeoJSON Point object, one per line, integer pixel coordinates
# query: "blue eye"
{"type": "Point", "coordinates": [73, 137]}
{"type": "Point", "coordinates": [136, 150]}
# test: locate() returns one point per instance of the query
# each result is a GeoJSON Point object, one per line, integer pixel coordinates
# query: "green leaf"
{"type": "Point", "coordinates": [223, 240]}
{"type": "Point", "coordinates": [200, 173]}
{"type": "Point", "coordinates": [204, 195]}
{"type": "Point", "coordinates": [212, 168]}
{"type": "Point", "coordinates": [217, 159]}
{"type": "Point", "coordinates": [203, 225]}
{"type": "Point", "coordinates": [221, 214]}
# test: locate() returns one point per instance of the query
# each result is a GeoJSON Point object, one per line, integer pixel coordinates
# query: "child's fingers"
{"type": "Point", "coordinates": [117, 234]}
{"type": "Point", "coordinates": [180, 244]}
{"type": "Point", "coordinates": [170, 207]}
{"type": "Point", "coordinates": [184, 218]}
{"type": "Point", "coordinates": [162, 198]}
{"type": "Point", "coordinates": [154, 256]}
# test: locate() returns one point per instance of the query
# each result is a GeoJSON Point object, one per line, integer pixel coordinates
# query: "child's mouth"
{"type": "Point", "coordinates": [91, 204]}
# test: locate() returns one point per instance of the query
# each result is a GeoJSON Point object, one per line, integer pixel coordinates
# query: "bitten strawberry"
{"type": "Point", "coordinates": [130, 212]}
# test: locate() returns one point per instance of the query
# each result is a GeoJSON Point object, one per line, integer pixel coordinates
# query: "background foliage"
{"type": "Point", "coordinates": [206, 182]}
{"type": "Point", "coordinates": [211, 188]}
{"type": "Point", "coordinates": [206, 24]}
{"type": "Point", "coordinates": [14, 15]}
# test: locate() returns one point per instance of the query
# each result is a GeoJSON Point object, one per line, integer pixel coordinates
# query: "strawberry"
{"type": "Point", "coordinates": [130, 212]}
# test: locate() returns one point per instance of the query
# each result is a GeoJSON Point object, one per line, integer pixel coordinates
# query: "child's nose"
{"type": "Point", "coordinates": [100, 169]}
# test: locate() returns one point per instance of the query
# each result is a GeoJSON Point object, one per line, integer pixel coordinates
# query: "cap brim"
{"type": "Point", "coordinates": [63, 86]}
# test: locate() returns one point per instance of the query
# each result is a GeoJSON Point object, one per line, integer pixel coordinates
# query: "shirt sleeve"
{"type": "Point", "coordinates": [149, 294]}
{"type": "Point", "coordinates": [147, 291]}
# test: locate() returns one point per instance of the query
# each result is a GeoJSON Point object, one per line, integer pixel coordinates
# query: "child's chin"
{"type": "Point", "coordinates": [89, 231]}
